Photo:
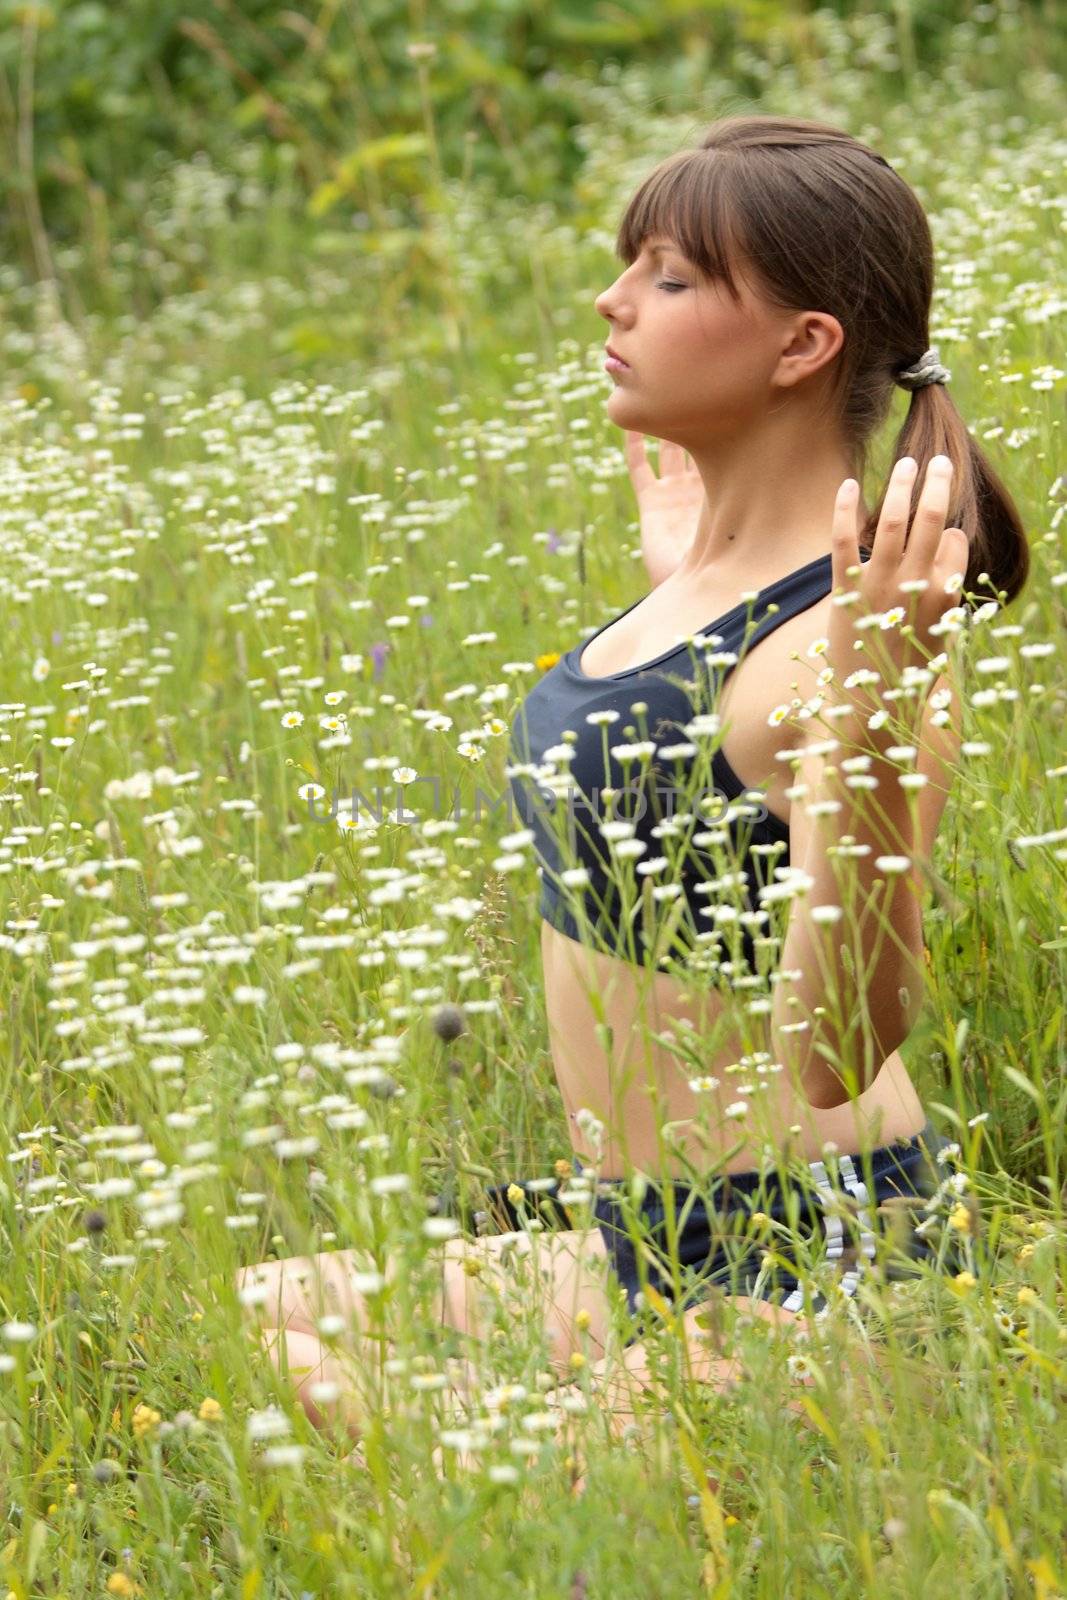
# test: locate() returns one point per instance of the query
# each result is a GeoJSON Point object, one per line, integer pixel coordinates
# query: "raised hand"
{"type": "Point", "coordinates": [669, 505]}
{"type": "Point", "coordinates": [904, 590]}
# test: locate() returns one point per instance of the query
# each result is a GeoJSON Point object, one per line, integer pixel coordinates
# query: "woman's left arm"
{"type": "Point", "coordinates": [854, 988]}
{"type": "Point", "coordinates": [851, 980]}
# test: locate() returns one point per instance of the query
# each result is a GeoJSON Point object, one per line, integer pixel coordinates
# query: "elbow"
{"type": "Point", "coordinates": [825, 1090]}
{"type": "Point", "coordinates": [825, 1087]}
{"type": "Point", "coordinates": [830, 1100]}
{"type": "Point", "coordinates": [835, 1062]}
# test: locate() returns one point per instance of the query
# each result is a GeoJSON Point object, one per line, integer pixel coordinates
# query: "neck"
{"type": "Point", "coordinates": [768, 509]}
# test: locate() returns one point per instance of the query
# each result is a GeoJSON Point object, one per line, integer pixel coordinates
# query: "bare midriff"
{"type": "Point", "coordinates": [606, 1061]}
{"type": "Point", "coordinates": [603, 1012]}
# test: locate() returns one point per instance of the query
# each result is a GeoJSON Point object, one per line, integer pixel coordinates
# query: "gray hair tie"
{"type": "Point", "coordinates": [927, 369]}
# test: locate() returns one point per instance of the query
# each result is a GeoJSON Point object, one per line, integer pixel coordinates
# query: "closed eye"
{"type": "Point", "coordinates": [671, 286]}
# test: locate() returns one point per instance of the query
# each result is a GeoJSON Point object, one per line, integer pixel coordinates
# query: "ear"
{"type": "Point", "coordinates": [816, 338]}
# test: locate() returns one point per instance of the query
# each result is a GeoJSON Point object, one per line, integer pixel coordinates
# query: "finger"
{"type": "Point", "coordinates": [928, 526]}
{"type": "Point", "coordinates": [671, 458]}
{"type": "Point", "coordinates": [893, 522]}
{"type": "Point", "coordinates": [641, 472]}
{"type": "Point", "coordinates": [845, 552]}
{"type": "Point", "coordinates": [953, 555]}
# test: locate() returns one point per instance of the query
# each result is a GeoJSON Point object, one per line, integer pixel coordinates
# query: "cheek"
{"type": "Point", "coordinates": [725, 352]}
{"type": "Point", "coordinates": [706, 334]}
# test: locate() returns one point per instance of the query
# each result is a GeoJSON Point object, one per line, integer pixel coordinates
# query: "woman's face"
{"type": "Point", "coordinates": [699, 362]}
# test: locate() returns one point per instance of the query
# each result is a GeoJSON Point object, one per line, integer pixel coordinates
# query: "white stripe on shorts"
{"type": "Point", "coordinates": [834, 1227]}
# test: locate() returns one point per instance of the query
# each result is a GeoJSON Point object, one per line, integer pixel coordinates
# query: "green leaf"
{"type": "Point", "coordinates": [35, 1547]}
{"type": "Point", "coordinates": [378, 152]}
{"type": "Point", "coordinates": [1022, 1082]}
{"type": "Point", "coordinates": [305, 339]}
{"type": "Point", "coordinates": [249, 111]}
{"type": "Point", "coordinates": [324, 198]}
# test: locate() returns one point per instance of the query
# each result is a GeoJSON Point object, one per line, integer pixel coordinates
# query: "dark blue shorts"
{"type": "Point", "coordinates": [824, 1228]}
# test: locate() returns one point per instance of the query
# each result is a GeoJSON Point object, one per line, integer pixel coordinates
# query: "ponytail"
{"type": "Point", "coordinates": [998, 561]}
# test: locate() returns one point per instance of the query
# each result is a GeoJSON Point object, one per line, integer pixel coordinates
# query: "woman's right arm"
{"type": "Point", "coordinates": [669, 506]}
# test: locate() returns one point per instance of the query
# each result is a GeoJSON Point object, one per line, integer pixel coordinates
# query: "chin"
{"type": "Point", "coordinates": [640, 418]}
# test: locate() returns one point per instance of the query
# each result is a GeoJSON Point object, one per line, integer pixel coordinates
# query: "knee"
{"type": "Point", "coordinates": [276, 1292]}
{"type": "Point", "coordinates": [254, 1286]}
{"type": "Point", "coordinates": [766, 1311]}
{"type": "Point", "coordinates": [307, 1367]}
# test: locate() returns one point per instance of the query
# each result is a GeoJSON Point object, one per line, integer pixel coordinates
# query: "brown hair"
{"type": "Point", "coordinates": [818, 220]}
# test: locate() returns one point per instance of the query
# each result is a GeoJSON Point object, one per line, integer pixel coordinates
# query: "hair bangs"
{"type": "Point", "coordinates": [685, 199]}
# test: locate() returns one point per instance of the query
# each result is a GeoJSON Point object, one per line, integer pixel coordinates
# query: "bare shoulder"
{"type": "Point", "coordinates": [800, 659]}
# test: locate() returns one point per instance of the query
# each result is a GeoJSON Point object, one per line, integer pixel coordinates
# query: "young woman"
{"type": "Point", "coordinates": [777, 285]}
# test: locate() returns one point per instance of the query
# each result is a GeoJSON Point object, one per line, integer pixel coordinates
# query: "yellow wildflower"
{"type": "Point", "coordinates": [1027, 1296]}
{"type": "Point", "coordinates": [964, 1282]}
{"type": "Point", "coordinates": [583, 1319]}
{"type": "Point", "coordinates": [119, 1583]}
{"type": "Point", "coordinates": [516, 1193]}
{"type": "Point", "coordinates": [549, 659]}
{"type": "Point", "coordinates": [210, 1410]}
{"type": "Point", "coordinates": [145, 1418]}
{"type": "Point", "coordinates": [576, 1361]}
{"type": "Point", "coordinates": [960, 1219]}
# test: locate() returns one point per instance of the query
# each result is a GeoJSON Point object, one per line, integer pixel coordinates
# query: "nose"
{"type": "Point", "coordinates": [600, 304]}
{"type": "Point", "coordinates": [608, 303]}
{"type": "Point", "coordinates": [604, 302]}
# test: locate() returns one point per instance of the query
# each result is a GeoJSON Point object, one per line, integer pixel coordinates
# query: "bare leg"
{"type": "Point", "coordinates": [311, 1366]}
{"type": "Point", "coordinates": [289, 1301]}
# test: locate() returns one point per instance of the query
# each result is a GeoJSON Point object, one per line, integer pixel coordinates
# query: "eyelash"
{"type": "Point", "coordinates": [671, 287]}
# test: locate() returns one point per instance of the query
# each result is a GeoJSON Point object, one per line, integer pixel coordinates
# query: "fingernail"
{"type": "Point", "coordinates": [940, 464]}
{"type": "Point", "coordinates": [905, 465]}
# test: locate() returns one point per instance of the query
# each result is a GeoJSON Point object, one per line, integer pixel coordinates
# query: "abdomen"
{"type": "Point", "coordinates": [631, 1082]}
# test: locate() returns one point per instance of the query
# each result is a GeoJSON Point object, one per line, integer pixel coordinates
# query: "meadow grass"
{"type": "Point", "coordinates": [288, 533]}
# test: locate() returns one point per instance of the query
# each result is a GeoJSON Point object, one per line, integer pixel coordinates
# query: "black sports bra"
{"type": "Point", "coordinates": [678, 866]}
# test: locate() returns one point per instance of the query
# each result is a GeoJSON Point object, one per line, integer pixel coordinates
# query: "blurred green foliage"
{"type": "Point", "coordinates": [368, 105]}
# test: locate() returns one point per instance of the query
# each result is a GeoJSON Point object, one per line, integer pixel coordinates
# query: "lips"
{"type": "Point", "coordinates": [615, 355]}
